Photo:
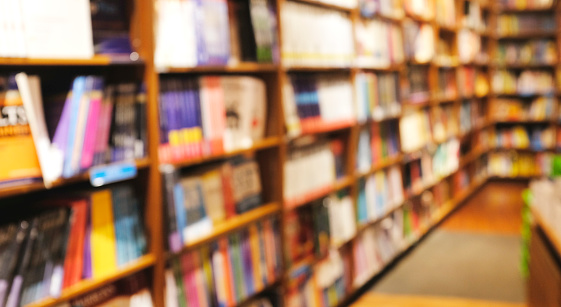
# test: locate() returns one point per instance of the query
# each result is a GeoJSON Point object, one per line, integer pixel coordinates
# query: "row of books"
{"type": "Point", "coordinates": [525, 4]}
{"type": "Point", "coordinates": [324, 285]}
{"type": "Point", "coordinates": [446, 13]}
{"type": "Point", "coordinates": [373, 54]}
{"type": "Point", "coordinates": [520, 137]}
{"type": "Point", "coordinates": [510, 164]}
{"type": "Point", "coordinates": [472, 82]}
{"type": "Point", "coordinates": [431, 167]}
{"type": "Point", "coordinates": [198, 200]}
{"type": "Point", "coordinates": [28, 29]}
{"type": "Point", "coordinates": [416, 89]}
{"type": "Point", "coordinates": [131, 291]}
{"type": "Point", "coordinates": [318, 102]}
{"type": "Point", "coordinates": [84, 235]}
{"type": "Point", "coordinates": [377, 95]}
{"type": "Point", "coordinates": [378, 194]}
{"type": "Point", "coordinates": [515, 24]}
{"type": "Point", "coordinates": [447, 88]}
{"type": "Point", "coordinates": [230, 270]}
{"type": "Point", "coordinates": [473, 17]}
{"type": "Point", "coordinates": [315, 36]}
{"type": "Point", "coordinates": [528, 82]}
{"type": "Point", "coordinates": [414, 131]}
{"type": "Point", "coordinates": [419, 41]}
{"type": "Point", "coordinates": [469, 46]}
{"type": "Point", "coordinates": [210, 115]}
{"type": "Point", "coordinates": [387, 8]}
{"type": "Point", "coordinates": [423, 9]}
{"type": "Point", "coordinates": [312, 230]}
{"type": "Point", "coordinates": [214, 32]}
{"type": "Point", "coordinates": [445, 122]}
{"type": "Point", "coordinates": [529, 52]}
{"type": "Point", "coordinates": [312, 167]}
{"type": "Point", "coordinates": [91, 124]}
{"type": "Point", "coordinates": [377, 144]}
{"type": "Point", "coordinates": [376, 246]}
{"type": "Point", "coordinates": [512, 109]}
{"type": "Point", "coordinates": [445, 55]}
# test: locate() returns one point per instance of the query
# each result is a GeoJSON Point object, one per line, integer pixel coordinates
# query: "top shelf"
{"type": "Point", "coordinates": [327, 5]}
{"type": "Point", "coordinates": [97, 60]}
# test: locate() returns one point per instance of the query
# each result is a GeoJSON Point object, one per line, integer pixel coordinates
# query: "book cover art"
{"type": "Point", "coordinates": [16, 141]}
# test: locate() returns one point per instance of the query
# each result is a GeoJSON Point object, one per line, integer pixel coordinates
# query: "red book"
{"type": "Point", "coordinates": [229, 201]}
{"type": "Point", "coordinates": [73, 261]}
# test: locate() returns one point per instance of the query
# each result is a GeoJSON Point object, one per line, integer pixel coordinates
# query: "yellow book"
{"type": "Point", "coordinates": [103, 241]}
{"type": "Point", "coordinates": [255, 257]}
{"type": "Point", "coordinates": [16, 143]}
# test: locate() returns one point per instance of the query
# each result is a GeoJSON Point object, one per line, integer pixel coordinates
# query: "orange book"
{"type": "Point", "coordinates": [73, 262]}
{"type": "Point", "coordinates": [228, 274]}
{"type": "Point", "coordinates": [16, 142]}
{"type": "Point", "coordinates": [255, 259]}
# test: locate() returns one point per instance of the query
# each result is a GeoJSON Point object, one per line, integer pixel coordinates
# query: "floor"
{"type": "Point", "coordinates": [485, 231]}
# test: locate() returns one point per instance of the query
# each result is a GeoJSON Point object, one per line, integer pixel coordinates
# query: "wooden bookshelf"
{"type": "Point", "coordinates": [89, 285]}
{"type": "Point", "coordinates": [551, 235]}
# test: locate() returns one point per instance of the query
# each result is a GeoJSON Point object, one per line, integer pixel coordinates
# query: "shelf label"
{"type": "Point", "coordinates": [106, 174]}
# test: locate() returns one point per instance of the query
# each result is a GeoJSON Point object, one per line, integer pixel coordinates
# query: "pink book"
{"type": "Point", "coordinates": [91, 128]}
{"type": "Point", "coordinates": [189, 280]}
{"type": "Point", "coordinates": [103, 126]}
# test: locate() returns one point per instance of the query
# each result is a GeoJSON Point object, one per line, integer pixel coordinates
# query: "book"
{"type": "Point", "coordinates": [377, 96]}
{"type": "Point", "coordinates": [526, 83]}
{"type": "Point", "coordinates": [386, 8]}
{"type": "Point", "coordinates": [419, 41]}
{"type": "Point", "coordinates": [530, 52]}
{"type": "Point", "coordinates": [519, 24]}
{"type": "Point", "coordinates": [16, 138]}
{"type": "Point", "coordinates": [110, 27]}
{"type": "Point", "coordinates": [513, 109]}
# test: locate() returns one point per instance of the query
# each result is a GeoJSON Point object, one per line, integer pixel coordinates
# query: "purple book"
{"type": "Point", "coordinates": [87, 269]}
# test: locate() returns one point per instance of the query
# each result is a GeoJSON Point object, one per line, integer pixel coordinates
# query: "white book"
{"type": "Point", "coordinates": [58, 28]}
{"type": "Point", "coordinates": [171, 290]}
{"type": "Point", "coordinates": [30, 89]}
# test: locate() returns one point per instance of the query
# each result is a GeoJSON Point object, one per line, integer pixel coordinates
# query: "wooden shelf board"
{"type": "Point", "coordinates": [447, 28]}
{"type": "Point", "coordinates": [317, 68]}
{"type": "Point", "coordinates": [385, 163]}
{"type": "Point", "coordinates": [97, 60]}
{"type": "Point", "coordinates": [528, 149]}
{"type": "Point", "coordinates": [525, 65]}
{"type": "Point", "coordinates": [394, 19]}
{"type": "Point", "coordinates": [471, 156]}
{"type": "Point", "coordinates": [232, 224]}
{"type": "Point", "coordinates": [89, 285]}
{"type": "Point", "coordinates": [38, 186]}
{"type": "Point", "coordinates": [523, 122]}
{"type": "Point", "coordinates": [513, 10]}
{"type": "Point", "coordinates": [327, 5]}
{"type": "Point", "coordinates": [549, 232]}
{"type": "Point", "coordinates": [299, 201]}
{"type": "Point", "coordinates": [528, 35]}
{"type": "Point", "coordinates": [244, 67]}
{"type": "Point", "coordinates": [391, 68]}
{"type": "Point", "coordinates": [266, 143]}
{"type": "Point", "coordinates": [368, 224]}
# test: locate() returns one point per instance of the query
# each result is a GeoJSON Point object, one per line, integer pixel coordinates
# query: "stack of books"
{"type": "Point", "coordinates": [375, 54]}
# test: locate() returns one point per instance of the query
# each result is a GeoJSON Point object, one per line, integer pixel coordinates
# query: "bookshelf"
{"type": "Point", "coordinates": [445, 86]}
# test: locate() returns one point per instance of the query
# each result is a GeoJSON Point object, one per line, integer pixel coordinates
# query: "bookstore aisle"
{"type": "Point", "coordinates": [472, 259]}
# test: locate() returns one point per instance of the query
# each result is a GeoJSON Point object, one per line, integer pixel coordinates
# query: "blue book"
{"type": "Point", "coordinates": [362, 212]}
{"type": "Point", "coordinates": [78, 89]}
{"type": "Point", "coordinates": [200, 31]}
{"type": "Point", "coordinates": [180, 214]}
{"type": "Point", "coordinates": [162, 113]}
{"type": "Point", "coordinates": [118, 220]}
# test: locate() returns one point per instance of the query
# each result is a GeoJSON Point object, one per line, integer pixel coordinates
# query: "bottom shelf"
{"type": "Point", "coordinates": [89, 285]}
